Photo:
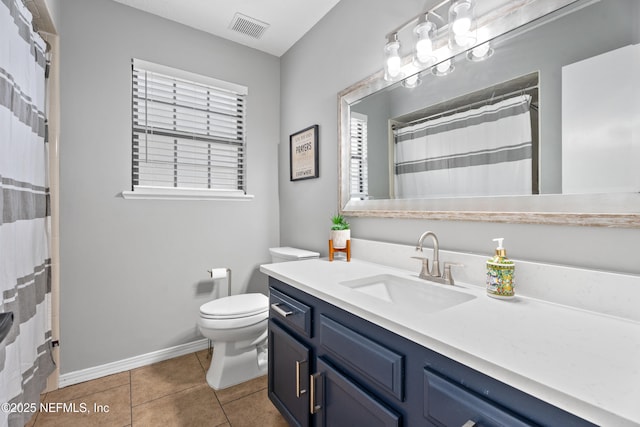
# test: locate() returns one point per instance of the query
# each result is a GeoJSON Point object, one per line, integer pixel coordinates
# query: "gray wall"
{"type": "Point", "coordinates": [345, 47]}
{"type": "Point", "coordinates": [133, 272]}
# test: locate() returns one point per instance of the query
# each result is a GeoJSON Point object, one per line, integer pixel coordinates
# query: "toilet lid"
{"type": "Point", "coordinates": [235, 306]}
{"type": "Point", "coordinates": [293, 253]}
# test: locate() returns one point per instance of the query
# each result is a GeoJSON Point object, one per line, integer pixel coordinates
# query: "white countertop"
{"type": "Point", "coordinates": [583, 362]}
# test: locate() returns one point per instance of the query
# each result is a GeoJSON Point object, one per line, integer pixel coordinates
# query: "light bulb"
{"type": "Point", "coordinates": [412, 81]}
{"type": "Point", "coordinates": [424, 32]}
{"type": "Point", "coordinates": [481, 51]}
{"type": "Point", "coordinates": [424, 47]}
{"type": "Point", "coordinates": [444, 66]}
{"type": "Point", "coordinates": [393, 63]}
{"type": "Point", "coordinates": [461, 17]}
{"type": "Point", "coordinates": [461, 24]}
{"type": "Point", "coordinates": [464, 40]}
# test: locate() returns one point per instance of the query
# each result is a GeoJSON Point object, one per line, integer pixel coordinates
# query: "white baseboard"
{"type": "Point", "coordinates": [87, 374]}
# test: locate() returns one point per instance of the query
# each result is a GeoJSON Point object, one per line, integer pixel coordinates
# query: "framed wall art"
{"type": "Point", "coordinates": [303, 154]}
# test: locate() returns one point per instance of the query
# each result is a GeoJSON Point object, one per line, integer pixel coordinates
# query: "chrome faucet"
{"type": "Point", "coordinates": [435, 266]}
{"type": "Point", "coordinates": [434, 274]}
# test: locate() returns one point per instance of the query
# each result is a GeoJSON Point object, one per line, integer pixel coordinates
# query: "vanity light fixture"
{"type": "Point", "coordinates": [462, 24]}
{"type": "Point", "coordinates": [425, 33]}
{"type": "Point", "coordinates": [429, 40]}
{"type": "Point", "coordinates": [392, 63]}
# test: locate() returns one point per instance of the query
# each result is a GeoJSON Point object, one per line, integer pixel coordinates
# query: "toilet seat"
{"type": "Point", "coordinates": [235, 307]}
{"type": "Point", "coordinates": [233, 323]}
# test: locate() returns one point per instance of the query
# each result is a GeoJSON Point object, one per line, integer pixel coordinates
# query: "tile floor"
{"type": "Point", "coordinates": [172, 393]}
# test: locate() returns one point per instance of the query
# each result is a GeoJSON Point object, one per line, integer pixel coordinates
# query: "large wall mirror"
{"type": "Point", "coordinates": [543, 129]}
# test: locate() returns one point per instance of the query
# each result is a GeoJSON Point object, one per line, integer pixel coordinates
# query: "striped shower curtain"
{"type": "Point", "coordinates": [485, 151]}
{"type": "Point", "coordinates": [25, 265]}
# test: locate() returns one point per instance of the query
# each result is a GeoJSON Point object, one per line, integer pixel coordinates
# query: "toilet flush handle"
{"type": "Point", "coordinates": [281, 312]}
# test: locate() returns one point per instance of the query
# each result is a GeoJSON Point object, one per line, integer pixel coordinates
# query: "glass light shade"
{"type": "Point", "coordinates": [465, 40]}
{"type": "Point", "coordinates": [443, 68]}
{"type": "Point", "coordinates": [480, 52]}
{"type": "Point", "coordinates": [461, 16]}
{"type": "Point", "coordinates": [412, 81]}
{"type": "Point", "coordinates": [462, 24]}
{"type": "Point", "coordinates": [425, 32]}
{"type": "Point", "coordinates": [392, 62]}
{"type": "Point", "coordinates": [483, 50]}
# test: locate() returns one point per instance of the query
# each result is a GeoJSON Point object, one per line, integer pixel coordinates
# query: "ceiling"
{"type": "Point", "coordinates": [288, 20]}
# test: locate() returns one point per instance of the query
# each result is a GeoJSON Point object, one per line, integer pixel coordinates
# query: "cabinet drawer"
{"type": "Point", "coordinates": [290, 311]}
{"type": "Point", "coordinates": [367, 359]}
{"type": "Point", "coordinates": [449, 404]}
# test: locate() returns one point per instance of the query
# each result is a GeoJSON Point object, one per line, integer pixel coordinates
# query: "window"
{"type": "Point", "coordinates": [188, 135]}
{"type": "Point", "coordinates": [359, 170]}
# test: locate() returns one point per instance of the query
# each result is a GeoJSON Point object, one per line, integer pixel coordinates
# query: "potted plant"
{"type": "Point", "coordinates": [340, 232]}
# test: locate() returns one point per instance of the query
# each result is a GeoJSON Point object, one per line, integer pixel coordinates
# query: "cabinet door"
{"type": "Point", "coordinates": [289, 375]}
{"type": "Point", "coordinates": [339, 402]}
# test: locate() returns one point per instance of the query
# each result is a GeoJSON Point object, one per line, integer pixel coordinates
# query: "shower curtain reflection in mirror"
{"type": "Point", "coordinates": [485, 151]}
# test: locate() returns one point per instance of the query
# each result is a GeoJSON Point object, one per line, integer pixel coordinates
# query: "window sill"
{"type": "Point", "coordinates": [164, 193]}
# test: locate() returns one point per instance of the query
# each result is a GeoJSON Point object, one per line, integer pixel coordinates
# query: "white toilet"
{"type": "Point", "coordinates": [237, 327]}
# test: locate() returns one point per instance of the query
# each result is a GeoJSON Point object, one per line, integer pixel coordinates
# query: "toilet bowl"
{"type": "Point", "coordinates": [237, 328]}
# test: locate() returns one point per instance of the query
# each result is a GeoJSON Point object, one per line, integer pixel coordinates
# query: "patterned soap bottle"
{"type": "Point", "coordinates": [500, 270]}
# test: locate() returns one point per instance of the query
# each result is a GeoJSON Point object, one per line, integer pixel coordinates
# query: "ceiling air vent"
{"type": "Point", "coordinates": [248, 26]}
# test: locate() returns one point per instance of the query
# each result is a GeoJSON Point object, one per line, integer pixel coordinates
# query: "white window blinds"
{"type": "Point", "coordinates": [358, 170]}
{"type": "Point", "coordinates": [188, 130]}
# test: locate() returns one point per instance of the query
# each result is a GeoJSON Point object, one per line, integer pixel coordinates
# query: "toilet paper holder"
{"type": "Point", "coordinates": [221, 273]}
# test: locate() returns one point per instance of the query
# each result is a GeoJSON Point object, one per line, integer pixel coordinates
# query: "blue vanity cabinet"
{"type": "Point", "coordinates": [312, 390]}
{"type": "Point", "coordinates": [360, 374]}
{"type": "Point", "coordinates": [290, 355]}
{"type": "Point", "coordinates": [289, 375]}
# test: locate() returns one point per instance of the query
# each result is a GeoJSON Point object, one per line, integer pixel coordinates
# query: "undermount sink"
{"type": "Point", "coordinates": [412, 294]}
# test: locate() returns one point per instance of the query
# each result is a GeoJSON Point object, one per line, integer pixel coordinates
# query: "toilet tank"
{"type": "Point", "coordinates": [291, 254]}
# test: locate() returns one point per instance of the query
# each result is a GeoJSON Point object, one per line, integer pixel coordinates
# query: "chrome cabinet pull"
{"type": "Point", "coordinates": [298, 391]}
{"type": "Point", "coordinates": [469, 423]}
{"type": "Point", "coordinates": [314, 408]}
{"type": "Point", "coordinates": [281, 312]}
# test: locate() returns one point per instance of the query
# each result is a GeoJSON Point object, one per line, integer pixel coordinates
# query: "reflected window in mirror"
{"type": "Point", "coordinates": [359, 162]}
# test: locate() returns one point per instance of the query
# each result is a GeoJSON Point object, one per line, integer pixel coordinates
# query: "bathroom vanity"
{"type": "Point", "coordinates": [348, 347]}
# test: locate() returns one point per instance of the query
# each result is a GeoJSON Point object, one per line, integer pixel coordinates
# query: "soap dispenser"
{"type": "Point", "coordinates": [500, 270]}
